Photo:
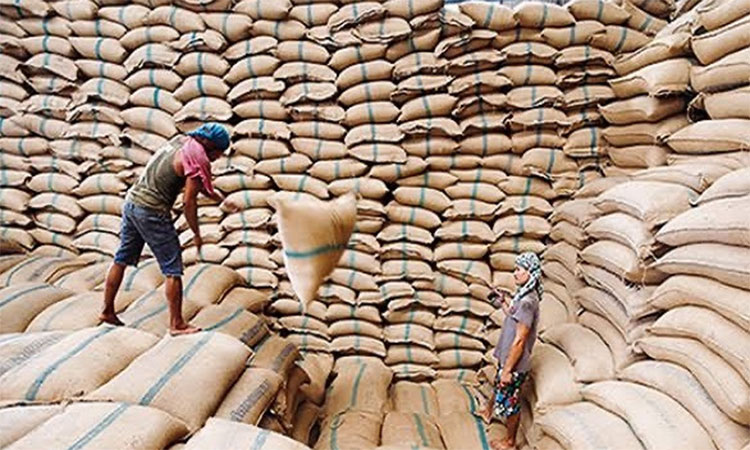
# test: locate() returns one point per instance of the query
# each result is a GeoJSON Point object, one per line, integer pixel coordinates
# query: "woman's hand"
{"type": "Point", "coordinates": [505, 378]}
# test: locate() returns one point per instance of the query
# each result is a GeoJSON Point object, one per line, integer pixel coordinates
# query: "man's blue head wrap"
{"type": "Point", "coordinates": [213, 132]}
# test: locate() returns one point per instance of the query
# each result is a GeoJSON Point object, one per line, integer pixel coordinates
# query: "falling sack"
{"type": "Point", "coordinates": [314, 234]}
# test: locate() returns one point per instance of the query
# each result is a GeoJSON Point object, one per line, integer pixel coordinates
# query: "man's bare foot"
{"type": "Point", "coordinates": [180, 330]}
{"type": "Point", "coordinates": [111, 319]}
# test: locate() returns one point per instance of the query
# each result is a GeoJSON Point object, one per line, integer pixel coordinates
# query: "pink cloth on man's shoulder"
{"type": "Point", "coordinates": [195, 162]}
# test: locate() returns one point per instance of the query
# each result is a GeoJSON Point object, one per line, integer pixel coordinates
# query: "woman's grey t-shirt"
{"type": "Point", "coordinates": [526, 311]}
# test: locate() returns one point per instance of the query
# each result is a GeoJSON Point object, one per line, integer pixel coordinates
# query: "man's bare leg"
{"type": "Point", "coordinates": [114, 279]}
{"type": "Point", "coordinates": [177, 324]}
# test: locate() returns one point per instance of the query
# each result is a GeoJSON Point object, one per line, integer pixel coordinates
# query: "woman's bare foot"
{"type": "Point", "coordinates": [111, 319]}
{"type": "Point", "coordinates": [503, 444]}
{"type": "Point", "coordinates": [180, 330]}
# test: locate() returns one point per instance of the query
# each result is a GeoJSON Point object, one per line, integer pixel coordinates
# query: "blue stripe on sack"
{"type": "Point", "coordinates": [314, 252]}
{"type": "Point", "coordinates": [425, 405]}
{"type": "Point", "coordinates": [149, 396]}
{"type": "Point", "coordinates": [21, 293]}
{"type": "Point", "coordinates": [260, 440]}
{"type": "Point", "coordinates": [480, 430]}
{"type": "Point", "coordinates": [108, 420]}
{"type": "Point", "coordinates": [193, 280]}
{"type": "Point", "coordinates": [334, 432]}
{"type": "Point", "coordinates": [21, 266]}
{"type": "Point", "coordinates": [420, 430]}
{"type": "Point", "coordinates": [137, 323]}
{"type": "Point", "coordinates": [37, 384]}
{"type": "Point", "coordinates": [98, 48]}
{"type": "Point", "coordinates": [621, 42]}
{"type": "Point", "coordinates": [56, 315]}
{"type": "Point", "coordinates": [225, 320]}
{"type": "Point", "coordinates": [355, 388]}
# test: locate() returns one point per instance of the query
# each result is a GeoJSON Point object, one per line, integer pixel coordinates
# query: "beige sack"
{"type": "Point", "coordinates": [151, 378]}
{"type": "Point", "coordinates": [305, 279]}
{"type": "Point", "coordinates": [712, 136]}
{"type": "Point", "coordinates": [47, 378]}
{"type": "Point", "coordinates": [730, 71]}
{"type": "Point", "coordinates": [105, 425]}
{"type": "Point", "coordinates": [725, 263]}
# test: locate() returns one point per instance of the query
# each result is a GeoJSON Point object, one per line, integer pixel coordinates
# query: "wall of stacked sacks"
{"type": "Point", "coordinates": [471, 133]}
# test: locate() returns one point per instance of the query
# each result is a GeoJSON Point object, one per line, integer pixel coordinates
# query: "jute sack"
{"type": "Point", "coordinates": [730, 104]}
{"type": "Point", "coordinates": [659, 79]}
{"type": "Point", "coordinates": [681, 290]}
{"type": "Point", "coordinates": [639, 156]}
{"type": "Point", "coordinates": [721, 221]}
{"type": "Point", "coordinates": [649, 413]}
{"type": "Point", "coordinates": [361, 387]}
{"type": "Point", "coordinates": [154, 378]}
{"type": "Point", "coordinates": [454, 397]}
{"type": "Point", "coordinates": [410, 397]}
{"type": "Point", "coordinates": [656, 202]}
{"type": "Point", "coordinates": [157, 77]}
{"type": "Point", "coordinates": [716, 44]}
{"type": "Point", "coordinates": [578, 34]}
{"type": "Point", "coordinates": [351, 429]}
{"type": "Point", "coordinates": [642, 109]}
{"type": "Point", "coordinates": [41, 268]}
{"type": "Point", "coordinates": [22, 302]}
{"type": "Point", "coordinates": [728, 72]}
{"type": "Point", "coordinates": [463, 430]}
{"type": "Point", "coordinates": [47, 378]}
{"type": "Point", "coordinates": [324, 248]}
{"type": "Point", "coordinates": [573, 425]}
{"type": "Point", "coordinates": [251, 395]}
{"type": "Point", "coordinates": [416, 428]}
{"type": "Point", "coordinates": [200, 291]}
{"type": "Point", "coordinates": [625, 229]}
{"type": "Point", "coordinates": [220, 433]}
{"type": "Point", "coordinates": [410, 354]}
{"type": "Point", "coordinates": [681, 385]}
{"type": "Point", "coordinates": [712, 136]}
{"type": "Point", "coordinates": [232, 320]}
{"type": "Point", "coordinates": [725, 263]}
{"type": "Point", "coordinates": [78, 311]}
{"type": "Point", "coordinates": [143, 35]}
{"type": "Point", "coordinates": [18, 421]}
{"type": "Point", "coordinates": [645, 134]}
{"type": "Point", "coordinates": [720, 335]}
{"type": "Point", "coordinates": [621, 260]}
{"type": "Point", "coordinates": [105, 425]}
{"type": "Point", "coordinates": [620, 39]}
{"type": "Point", "coordinates": [43, 182]}
{"type": "Point", "coordinates": [724, 384]}
{"type": "Point", "coordinates": [733, 184]}
{"type": "Point", "coordinates": [592, 360]}
{"type": "Point", "coordinates": [85, 279]}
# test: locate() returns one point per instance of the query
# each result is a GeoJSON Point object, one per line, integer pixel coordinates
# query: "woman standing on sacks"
{"type": "Point", "coordinates": [513, 350]}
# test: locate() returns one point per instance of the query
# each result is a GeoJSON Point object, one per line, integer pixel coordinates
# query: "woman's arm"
{"type": "Point", "coordinates": [515, 353]}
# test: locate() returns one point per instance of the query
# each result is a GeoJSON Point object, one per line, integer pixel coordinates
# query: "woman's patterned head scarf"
{"type": "Point", "coordinates": [533, 265]}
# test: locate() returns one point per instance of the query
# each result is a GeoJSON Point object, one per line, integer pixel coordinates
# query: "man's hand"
{"type": "Point", "coordinates": [198, 241]}
{"type": "Point", "coordinates": [230, 206]}
{"type": "Point", "coordinates": [505, 378]}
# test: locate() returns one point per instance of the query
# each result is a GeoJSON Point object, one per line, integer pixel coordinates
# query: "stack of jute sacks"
{"type": "Point", "coordinates": [255, 378]}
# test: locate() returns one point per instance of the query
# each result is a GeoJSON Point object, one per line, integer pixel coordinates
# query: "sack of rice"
{"type": "Point", "coordinates": [222, 434]}
{"type": "Point", "coordinates": [64, 370]}
{"type": "Point", "coordinates": [151, 379]}
{"type": "Point", "coordinates": [105, 425]}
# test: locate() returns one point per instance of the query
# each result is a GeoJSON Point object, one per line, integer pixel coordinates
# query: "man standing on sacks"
{"type": "Point", "coordinates": [184, 162]}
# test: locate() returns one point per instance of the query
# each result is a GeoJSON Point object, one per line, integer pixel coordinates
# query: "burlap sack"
{"type": "Point", "coordinates": [136, 383]}
{"type": "Point", "coordinates": [226, 434]}
{"type": "Point", "coordinates": [721, 262]}
{"type": "Point", "coordinates": [728, 72]}
{"type": "Point", "coordinates": [49, 378]}
{"type": "Point", "coordinates": [620, 39]}
{"type": "Point", "coordinates": [647, 410]}
{"type": "Point", "coordinates": [714, 45]}
{"type": "Point", "coordinates": [711, 136]}
{"type": "Point", "coordinates": [679, 383]}
{"type": "Point", "coordinates": [725, 385]}
{"type": "Point", "coordinates": [361, 387]}
{"type": "Point", "coordinates": [304, 280]}
{"type": "Point", "coordinates": [733, 184]}
{"type": "Point", "coordinates": [592, 360]}
{"type": "Point", "coordinates": [105, 425]}
{"type": "Point", "coordinates": [721, 221]}
{"type": "Point", "coordinates": [566, 426]}
{"type": "Point", "coordinates": [22, 302]}
{"type": "Point", "coordinates": [663, 202]}
{"type": "Point", "coordinates": [352, 429]}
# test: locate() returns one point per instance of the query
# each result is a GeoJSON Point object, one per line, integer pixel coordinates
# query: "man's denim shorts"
{"type": "Point", "coordinates": [147, 226]}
